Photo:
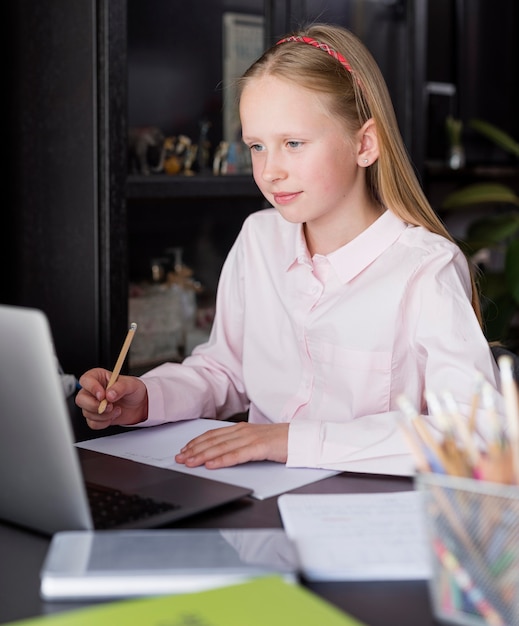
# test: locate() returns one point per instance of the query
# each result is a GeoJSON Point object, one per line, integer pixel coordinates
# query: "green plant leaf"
{"type": "Point", "coordinates": [512, 269]}
{"type": "Point", "coordinates": [498, 136]}
{"type": "Point", "coordinates": [480, 193]}
{"type": "Point", "coordinates": [494, 229]}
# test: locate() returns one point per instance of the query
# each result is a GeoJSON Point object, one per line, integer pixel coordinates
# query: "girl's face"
{"type": "Point", "coordinates": [303, 161]}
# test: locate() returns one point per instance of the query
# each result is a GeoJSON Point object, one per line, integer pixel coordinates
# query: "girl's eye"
{"type": "Point", "coordinates": [256, 147]}
{"type": "Point", "coordinates": [294, 144]}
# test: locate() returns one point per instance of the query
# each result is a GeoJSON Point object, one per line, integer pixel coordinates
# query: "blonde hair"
{"type": "Point", "coordinates": [357, 92]}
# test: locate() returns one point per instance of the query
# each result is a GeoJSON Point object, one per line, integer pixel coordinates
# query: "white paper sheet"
{"type": "Point", "coordinates": [157, 445]}
{"type": "Point", "coordinates": [368, 536]}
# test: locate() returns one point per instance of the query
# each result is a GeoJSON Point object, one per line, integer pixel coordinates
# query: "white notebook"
{"type": "Point", "coordinates": [366, 536]}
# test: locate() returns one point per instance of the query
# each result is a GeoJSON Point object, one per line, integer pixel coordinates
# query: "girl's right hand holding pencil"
{"type": "Point", "coordinates": [127, 399]}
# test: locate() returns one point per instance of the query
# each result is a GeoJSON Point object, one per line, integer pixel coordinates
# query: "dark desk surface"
{"type": "Point", "coordinates": [403, 603]}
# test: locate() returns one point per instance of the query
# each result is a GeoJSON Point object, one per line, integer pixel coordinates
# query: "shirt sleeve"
{"type": "Point", "coordinates": [446, 334]}
{"type": "Point", "coordinates": [370, 443]}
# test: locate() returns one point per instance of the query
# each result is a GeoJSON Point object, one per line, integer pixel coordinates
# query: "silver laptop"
{"type": "Point", "coordinates": [48, 484]}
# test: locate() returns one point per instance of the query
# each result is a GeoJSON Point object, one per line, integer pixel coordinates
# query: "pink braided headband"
{"type": "Point", "coordinates": [321, 46]}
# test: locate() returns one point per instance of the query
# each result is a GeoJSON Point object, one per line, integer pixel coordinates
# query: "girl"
{"type": "Point", "coordinates": [344, 295]}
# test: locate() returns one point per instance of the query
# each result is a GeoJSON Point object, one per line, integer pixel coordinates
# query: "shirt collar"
{"type": "Point", "coordinates": [356, 255]}
{"type": "Point", "coordinates": [296, 249]}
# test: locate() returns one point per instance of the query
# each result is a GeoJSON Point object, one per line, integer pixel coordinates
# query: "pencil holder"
{"type": "Point", "coordinates": [473, 531]}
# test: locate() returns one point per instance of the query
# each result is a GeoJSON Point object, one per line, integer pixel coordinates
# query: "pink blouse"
{"type": "Point", "coordinates": [329, 343]}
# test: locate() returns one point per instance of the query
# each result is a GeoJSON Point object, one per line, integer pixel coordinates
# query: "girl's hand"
{"type": "Point", "coordinates": [127, 399]}
{"type": "Point", "coordinates": [232, 445]}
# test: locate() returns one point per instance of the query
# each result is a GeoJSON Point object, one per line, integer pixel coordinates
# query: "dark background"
{"type": "Point", "coordinates": [76, 229]}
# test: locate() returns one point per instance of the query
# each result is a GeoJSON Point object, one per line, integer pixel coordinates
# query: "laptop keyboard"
{"type": "Point", "coordinates": [111, 508]}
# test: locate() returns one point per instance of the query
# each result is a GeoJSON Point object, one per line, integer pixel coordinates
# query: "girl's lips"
{"type": "Point", "coordinates": [285, 198]}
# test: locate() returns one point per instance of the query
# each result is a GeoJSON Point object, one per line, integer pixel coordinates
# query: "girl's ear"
{"type": "Point", "coordinates": [368, 144]}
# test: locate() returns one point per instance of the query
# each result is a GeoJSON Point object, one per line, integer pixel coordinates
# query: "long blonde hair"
{"type": "Point", "coordinates": [356, 94]}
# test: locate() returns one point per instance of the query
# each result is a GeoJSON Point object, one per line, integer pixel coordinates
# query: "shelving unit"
{"type": "Point", "coordinates": [78, 226]}
{"type": "Point", "coordinates": [85, 228]}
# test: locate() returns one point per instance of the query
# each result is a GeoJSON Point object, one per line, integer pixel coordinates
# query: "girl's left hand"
{"type": "Point", "coordinates": [232, 445]}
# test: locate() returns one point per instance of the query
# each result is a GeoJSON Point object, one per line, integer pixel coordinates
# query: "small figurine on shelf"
{"type": "Point", "coordinates": [177, 156]}
{"type": "Point", "coordinates": [184, 155]}
{"type": "Point", "coordinates": [170, 163]}
{"type": "Point", "coordinates": [144, 148]}
{"type": "Point", "coordinates": [220, 158]}
{"type": "Point", "coordinates": [180, 274]}
{"type": "Point", "coordinates": [190, 159]}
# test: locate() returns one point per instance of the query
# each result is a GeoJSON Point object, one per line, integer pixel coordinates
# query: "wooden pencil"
{"type": "Point", "coordinates": [415, 446]}
{"type": "Point", "coordinates": [462, 429]}
{"type": "Point", "coordinates": [457, 460]}
{"type": "Point", "coordinates": [119, 364]}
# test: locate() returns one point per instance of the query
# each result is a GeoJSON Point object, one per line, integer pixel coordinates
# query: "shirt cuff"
{"type": "Point", "coordinates": [156, 409]}
{"type": "Point", "coordinates": [303, 443]}
{"type": "Point", "coordinates": [335, 445]}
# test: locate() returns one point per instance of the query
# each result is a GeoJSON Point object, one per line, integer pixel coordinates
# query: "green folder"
{"type": "Point", "coordinates": [268, 601]}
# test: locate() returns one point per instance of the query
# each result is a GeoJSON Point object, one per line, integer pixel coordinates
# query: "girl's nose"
{"type": "Point", "coordinates": [273, 169]}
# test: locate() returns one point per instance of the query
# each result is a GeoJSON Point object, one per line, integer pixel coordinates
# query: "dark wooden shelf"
{"type": "Point", "coordinates": [196, 186]}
